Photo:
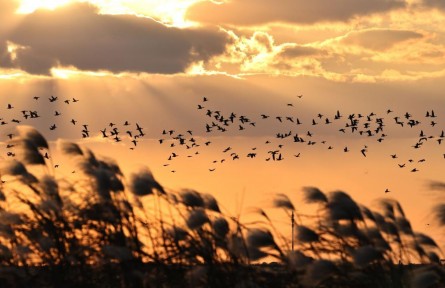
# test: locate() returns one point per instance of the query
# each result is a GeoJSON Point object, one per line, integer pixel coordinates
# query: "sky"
{"type": "Point", "coordinates": [153, 62]}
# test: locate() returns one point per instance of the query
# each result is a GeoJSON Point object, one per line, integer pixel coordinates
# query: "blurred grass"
{"type": "Point", "coordinates": [99, 229]}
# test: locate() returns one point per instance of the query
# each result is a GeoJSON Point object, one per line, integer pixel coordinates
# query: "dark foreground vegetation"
{"type": "Point", "coordinates": [98, 228]}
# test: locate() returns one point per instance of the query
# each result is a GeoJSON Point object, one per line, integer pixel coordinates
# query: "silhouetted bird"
{"type": "Point", "coordinates": [139, 129]}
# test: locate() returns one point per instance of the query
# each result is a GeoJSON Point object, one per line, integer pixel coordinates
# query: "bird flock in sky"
{"type": "Point", "coordinates": [303, 132]}
{"type": "Point", "coordinates": [52, 112]}
{"type": "Point", "coordinates": [294, 131]}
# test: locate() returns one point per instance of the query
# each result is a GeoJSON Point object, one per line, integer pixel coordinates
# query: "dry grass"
{"type": "Point", "coordinates": [100, 229]}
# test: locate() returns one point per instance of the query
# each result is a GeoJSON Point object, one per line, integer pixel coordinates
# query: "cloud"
{"type": "Point", "coordinates": [254, 12]}
{"type": "Point", "coordinates": [435, 3]}
{"type": "Point", "coordinates": [258, 53]}
{"type": "Point", "coordinates": [5, 56]}
{"type": "Point", "coordinates": [381, 39]}
{"type": "Point", "coordinates": [8, 17]}
{"type": "Point", "coordinates": [8, 7]}
{"type": "Point", "coordinates": [294, 51]}
{"type": "Point", "coordinates": [368, 55]}
{"type": "Point", "coordinates": [77, 36]}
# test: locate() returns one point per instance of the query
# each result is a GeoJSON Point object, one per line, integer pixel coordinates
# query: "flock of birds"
{"type": "Point", "coordinates": [370, 126]}
{"type": "Point", "coordinates": [124, 132]}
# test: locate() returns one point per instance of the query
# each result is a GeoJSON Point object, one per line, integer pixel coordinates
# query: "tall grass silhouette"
{"type": "Point", "coordinates": [99, 228]}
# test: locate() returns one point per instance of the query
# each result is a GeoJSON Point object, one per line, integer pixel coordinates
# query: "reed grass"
{"type": "Point", "coordinates": [100, 229]}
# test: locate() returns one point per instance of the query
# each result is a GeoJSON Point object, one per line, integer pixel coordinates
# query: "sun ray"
{"type": "Point", "coordinates": [170, 12]}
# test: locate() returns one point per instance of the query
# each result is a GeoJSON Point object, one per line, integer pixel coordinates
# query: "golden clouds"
{"type": "Point", "coordinates": [341, 40]}
{"type": "Point", "coordinates": [367, 55]}
{"type": "Point", "coordinates": [379, 39]}
{"type": "Point", "coordinates": [77, 35]}
{"type": "Point", "coordinates": [256, 54]}
{"type": "Point", "coordinates": [166, 11]}
{"type": "Point", "coordinates": [254, 12]}
{"type": "Point", "coordinates": [7, 8]}
{"type": "Point", "coordinates": [28, 6]}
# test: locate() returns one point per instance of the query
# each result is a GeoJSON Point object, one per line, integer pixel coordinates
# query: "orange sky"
{"type": "Point", "coordinates": [152, 62]}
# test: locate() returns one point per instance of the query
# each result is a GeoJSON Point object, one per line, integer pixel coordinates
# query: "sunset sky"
{"type": "Point", "coordinates": [152, 62]}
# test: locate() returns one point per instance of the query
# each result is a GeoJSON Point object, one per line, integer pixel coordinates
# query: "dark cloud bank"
{"type": "Point", "coordinates": [76, 35]}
